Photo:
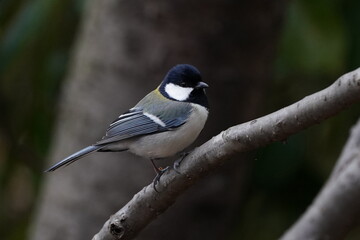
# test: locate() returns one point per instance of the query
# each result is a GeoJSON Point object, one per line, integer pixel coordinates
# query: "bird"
{"type": "Point", "coordinates": [161, 125]}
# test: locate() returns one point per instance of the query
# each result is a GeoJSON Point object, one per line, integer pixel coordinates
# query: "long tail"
{"type": "Point", "coordinates": [76, 156]}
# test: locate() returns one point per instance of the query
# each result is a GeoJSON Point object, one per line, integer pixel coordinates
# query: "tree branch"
{"type": "Point", "coordinates": [336, 209]}
{"type": "Point", "coordinates": [147, 204]}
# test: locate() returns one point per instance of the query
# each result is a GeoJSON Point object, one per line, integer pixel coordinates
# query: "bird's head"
{"type": "Point", "coordinates": [183, 83]}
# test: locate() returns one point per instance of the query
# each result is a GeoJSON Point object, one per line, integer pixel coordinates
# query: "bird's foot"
{"type": "Point", "coordinates": [159, 173]}
{"type": "Point", "coordinates": [178, 162]}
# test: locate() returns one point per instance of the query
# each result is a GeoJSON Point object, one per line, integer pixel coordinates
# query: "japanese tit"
{"type": "Point", "coordinates": [162, 124]}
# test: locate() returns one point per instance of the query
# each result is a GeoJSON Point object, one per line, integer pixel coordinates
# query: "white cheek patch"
{"type": "Point", "coordinates": [177, 92]}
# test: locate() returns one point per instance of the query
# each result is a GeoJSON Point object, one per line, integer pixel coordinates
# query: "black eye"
{"type": "Point", "coordinates": [183, 84]}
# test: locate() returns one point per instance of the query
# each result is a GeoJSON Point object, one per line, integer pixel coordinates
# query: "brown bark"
{"type": "Point", "coordinates": [335, 211]}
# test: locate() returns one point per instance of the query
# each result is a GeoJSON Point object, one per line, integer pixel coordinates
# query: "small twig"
{"type": "Point", "coordinates": [278, 126]}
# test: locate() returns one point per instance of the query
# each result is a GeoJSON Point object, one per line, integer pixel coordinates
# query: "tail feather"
{"type": "Point", "coordinates": [76, 156]}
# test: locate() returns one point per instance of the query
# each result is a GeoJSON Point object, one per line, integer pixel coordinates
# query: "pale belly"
{"type": "Point", "coordinates": [169, 143]}
{"type": "Point", "coordinates": [166, 144]}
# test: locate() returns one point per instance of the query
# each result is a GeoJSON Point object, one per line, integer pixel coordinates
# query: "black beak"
{"type": "Point", "coordinates": [201, 85]}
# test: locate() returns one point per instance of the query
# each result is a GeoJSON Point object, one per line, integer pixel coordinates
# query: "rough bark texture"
{"type": "Point", "coordinates": [123, 52]}
{"type": "Point", "coordinates": [336, 209]}
{"type": "Point", "coordinates": [339, 200]}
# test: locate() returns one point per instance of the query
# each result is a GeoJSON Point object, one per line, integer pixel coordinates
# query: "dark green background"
{"type": "Point", "coordinates": [320, 41]}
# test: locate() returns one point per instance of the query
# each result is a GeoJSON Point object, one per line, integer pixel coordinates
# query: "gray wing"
{"type": "Point", "coordinates": [135, 123]}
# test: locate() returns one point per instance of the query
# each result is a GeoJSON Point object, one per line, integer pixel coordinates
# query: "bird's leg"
{"type": "Point", "coordinates": [159, 173]}
{"type": "Point", "coordinates": [178, 162]}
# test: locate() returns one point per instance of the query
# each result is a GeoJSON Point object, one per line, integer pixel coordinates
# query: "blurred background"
{"type": "Point", "coordinates": [67, 67]}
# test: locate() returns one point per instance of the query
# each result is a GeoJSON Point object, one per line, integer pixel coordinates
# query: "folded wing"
{"type": "Point", "coordinates": [136, 122]}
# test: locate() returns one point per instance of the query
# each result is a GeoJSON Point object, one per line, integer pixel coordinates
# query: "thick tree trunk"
{"type": "Point", "coordinates": [123, 52]}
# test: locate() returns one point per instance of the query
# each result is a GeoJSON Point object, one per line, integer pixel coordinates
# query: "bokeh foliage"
{"type": "Point", "coordinates": [320, 41]}
{"type": "Point", "coordinates": [35, 42]}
